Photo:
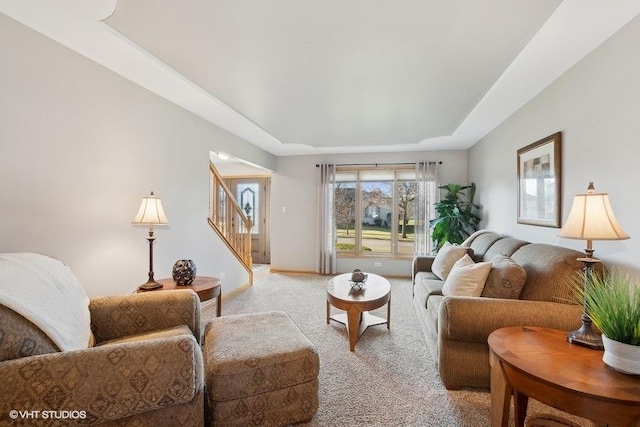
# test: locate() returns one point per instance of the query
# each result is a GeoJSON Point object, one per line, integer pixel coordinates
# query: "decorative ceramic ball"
{"type": "Point", "coordinates": [358, 279]}
{"type": "Point", "coordinates": [184, 271]}
{"type": "Point", "coordinates": [358, 276]}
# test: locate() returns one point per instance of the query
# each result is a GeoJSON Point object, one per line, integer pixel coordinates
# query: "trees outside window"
{"type": "Point", "coordinates": [345, 214]}
{"type": "Point", "coordinates": [375, 211]}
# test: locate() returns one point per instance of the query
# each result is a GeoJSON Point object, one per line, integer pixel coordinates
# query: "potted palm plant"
{"type": "Point", "coordinates": [456, 219]}
{"type": "Point", "coordinates": [612, 301]}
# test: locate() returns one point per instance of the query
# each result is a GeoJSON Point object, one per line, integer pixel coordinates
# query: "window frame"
{"type": "Point", "coordinates": [359, 209]}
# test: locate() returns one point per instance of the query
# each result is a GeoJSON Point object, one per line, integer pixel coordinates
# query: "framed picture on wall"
{"type": "Point", "coordinates": [539, 179]}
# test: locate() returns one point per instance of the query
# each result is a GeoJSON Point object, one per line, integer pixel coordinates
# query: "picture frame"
{"type": "Point", "coordinates": [539, 182]}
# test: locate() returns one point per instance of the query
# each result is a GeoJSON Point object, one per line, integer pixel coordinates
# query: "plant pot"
{"type": "Point", "coordinates": [622, 357]}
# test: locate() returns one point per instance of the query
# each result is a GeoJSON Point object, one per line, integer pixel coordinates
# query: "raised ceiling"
{"type": "Point", "coordinates": [334, 76]}
{"type": "Point", "coordinates": [339, 73]}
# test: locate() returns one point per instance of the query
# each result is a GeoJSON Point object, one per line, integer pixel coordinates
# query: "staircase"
{"type": "Point", "coordinates": [229, 221]}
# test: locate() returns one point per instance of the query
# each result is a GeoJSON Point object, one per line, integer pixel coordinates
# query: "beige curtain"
{"type": "Point", "coordinates": [326, 259]}
{"type": "Point", "coordinates": [427, 195]}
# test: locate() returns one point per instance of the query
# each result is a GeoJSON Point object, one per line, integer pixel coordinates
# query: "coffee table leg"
{"type": "Point", "coordinates": [389, 314]}
{"type": "Point", "coordinates": [219, 306]}
{"type": "Point", "coordinates": [328, 312]}
{"type": "Point", "coordinates": [353, 318]}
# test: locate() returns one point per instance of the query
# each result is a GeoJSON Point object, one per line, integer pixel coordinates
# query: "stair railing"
{"type": "Point", "coordinates": [229, 221]}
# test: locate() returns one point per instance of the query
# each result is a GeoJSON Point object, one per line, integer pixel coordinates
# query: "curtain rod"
{"type": "Point", "coordinates": [381, 164]}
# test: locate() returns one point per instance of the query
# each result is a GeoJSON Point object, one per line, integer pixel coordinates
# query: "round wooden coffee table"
{"type": "Point", "coordinates": [357, 303]}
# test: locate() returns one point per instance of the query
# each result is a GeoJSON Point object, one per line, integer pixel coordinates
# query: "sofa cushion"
{"type": "Point", "coordinates": [425, 289]}
{"type": "Point", "coordinates": [481, 244]}
{"type": "Point", "coordinates": [430, 282]}
{"type": "Point", "coordinates": [433, 313]}
{"type": "Point", "coordinates": [433, 286]}
{"type": "Point", "coordinates": [466, 278]}
{"type": "Point", "coordinates": [445, 258]}
{"type": "Point", "coordinates": [548, 268]}
{"type": "Point", "coordinates": [506, 246]}
{"type": "Point", "coordinates": [425, 275]}
{"type": "Point", "coordinates": [506, 278]}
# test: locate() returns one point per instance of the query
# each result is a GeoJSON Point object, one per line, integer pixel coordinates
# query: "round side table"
{"type": "Point", "coordinates": [206, 287]}
{"type": "Point", "coordinates": [539, 363]}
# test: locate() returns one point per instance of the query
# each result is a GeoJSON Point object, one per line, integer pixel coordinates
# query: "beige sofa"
{"type": "Point", "coordinates": [456, 328]}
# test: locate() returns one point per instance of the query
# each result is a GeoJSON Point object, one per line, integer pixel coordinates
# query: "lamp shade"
{"type": "Point", "coordinates": [591, 218]}
{"type": "Point", "coordinates": [150, 212]}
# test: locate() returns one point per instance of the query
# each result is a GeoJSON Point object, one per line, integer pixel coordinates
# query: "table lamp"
{"type": "Point", "coordinates": [150, 213]}
{"type": "Point", "coordinates": [590, 218]}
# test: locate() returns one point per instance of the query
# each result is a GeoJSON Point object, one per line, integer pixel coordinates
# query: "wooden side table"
{"type": "Point", "coordinates": [539, 363]}
{"type": "Point", "coordinates": [206, 287]}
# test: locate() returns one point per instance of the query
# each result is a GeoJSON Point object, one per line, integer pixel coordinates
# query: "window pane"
{"type": "Point", "coordinates": [377, 206]}
{"type": "Point", "coordinates": [406, 175]}
{"type": "Point", "coordinates": [375, 211]}
{"type": "Point", "coordinates": [345, 206]}
{"type": "Point", "coordinates": [249, 202]}
{"type": "Point", "coordinates": [346, 176]}
{"type": "Point", "coordinates": [406, 216]}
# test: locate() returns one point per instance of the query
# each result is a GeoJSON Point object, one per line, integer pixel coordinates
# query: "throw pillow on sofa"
{"type": "Point", "coordinates": [445, 258]}
{"type": "Point", "coordinates": [506, 279]}
{"type": "Point", "coordinates": [466, 278]}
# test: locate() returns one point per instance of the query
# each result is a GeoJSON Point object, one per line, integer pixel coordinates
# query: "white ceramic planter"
{"type": "Point", "coordinates": [621, 357]}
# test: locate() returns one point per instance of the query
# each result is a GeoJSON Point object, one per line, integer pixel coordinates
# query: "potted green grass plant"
{"type": "Point", "coordinates": [612, 301]}
{"type": "Point", "coordinates": [456, 218]}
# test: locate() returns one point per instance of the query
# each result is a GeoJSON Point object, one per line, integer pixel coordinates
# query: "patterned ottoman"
{"type": "Point", "coordinates": [260, 369]}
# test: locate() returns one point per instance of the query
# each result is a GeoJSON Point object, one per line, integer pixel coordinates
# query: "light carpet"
{"type": "Point", "coordinates": [390, 379]}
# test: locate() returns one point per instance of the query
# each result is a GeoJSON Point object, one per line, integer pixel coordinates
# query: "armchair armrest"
{"type": "Point", "coordinates": [472, 319]}
{"type": "Point", "coordinates": [421, 263]}
{"type": "Point", "coordinates": [105, 383]}
{"type": "Point", "coordinates": [119, 316]}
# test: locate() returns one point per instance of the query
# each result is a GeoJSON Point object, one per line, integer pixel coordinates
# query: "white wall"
{"type": "Point", "coordinates": [294, 186]}
{"type": "Point", "coordinates": [79, 148]}
{"type": "Point", "coordinates": [596, 105]}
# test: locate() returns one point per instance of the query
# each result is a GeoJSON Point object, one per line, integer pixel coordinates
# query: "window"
{"type": "Point", "coordinates": [375, 211]}
{"type": "Point", "coordinates": [248, 199]}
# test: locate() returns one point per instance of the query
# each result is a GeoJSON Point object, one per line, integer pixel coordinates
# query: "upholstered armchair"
{"type": "Point", "coordinates": [141, 365]}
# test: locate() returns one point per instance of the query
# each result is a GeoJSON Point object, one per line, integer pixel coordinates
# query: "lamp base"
{"type": "Point", "coordinates": [150, 285]}
{"type": "Point", "coordinates": [586, 337]}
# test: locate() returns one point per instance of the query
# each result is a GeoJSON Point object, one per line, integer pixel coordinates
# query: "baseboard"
{"type": "Point", "coordinates": [395, 276]}
{"type": "Point", "coordinates": [285, 270]}
{"type": "Point", "coordinates": [236, 291]}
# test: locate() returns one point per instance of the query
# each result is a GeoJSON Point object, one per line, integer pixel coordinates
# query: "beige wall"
{"type": "Point", "coordinates": [294, 186]}
{"type": "Point", "coordinates": [597, 107]}
{"type": "Point", "coordinates": [80, 146]}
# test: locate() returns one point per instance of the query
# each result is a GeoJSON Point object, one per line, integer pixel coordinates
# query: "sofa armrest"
{"type": "Point", "coordinates": [421, 263]}
{"type": "Point", "coordinates": [472, 319]}
{"type": "Point", "coordinates": [105, 383]}
{"type": "Point", "coordinates": [115, 317]}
